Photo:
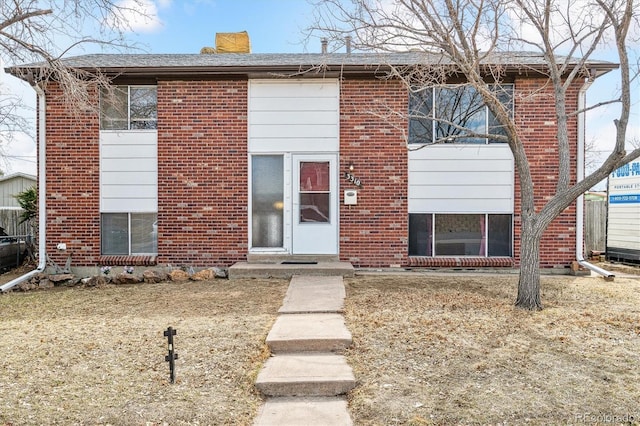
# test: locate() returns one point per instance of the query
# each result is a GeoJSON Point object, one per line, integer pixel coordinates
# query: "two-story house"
{"type": "Point", "coordinates": [212, 159]}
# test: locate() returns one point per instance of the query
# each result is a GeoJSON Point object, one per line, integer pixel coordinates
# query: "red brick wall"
{"type": "Point", "coordinates": [73, 166]}
{"type": "Point", "coordinates": [373, 233]}
{"type": "Point", "coordinates": [535, 115]}
{"type": "Point", "coordinates": [202, 172]}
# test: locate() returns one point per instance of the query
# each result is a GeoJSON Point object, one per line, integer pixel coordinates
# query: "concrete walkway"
{"type": "Point", "coordinates": [306, 378]}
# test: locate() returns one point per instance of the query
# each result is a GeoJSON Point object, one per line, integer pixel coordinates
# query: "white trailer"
{"type": "Point", "coordinates": [623, 217]}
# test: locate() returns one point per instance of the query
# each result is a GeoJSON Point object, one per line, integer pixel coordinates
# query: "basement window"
{"type": "Point", "coordinates": [129, 234]}
{"type": "Point", "coordinates": [484, 235]}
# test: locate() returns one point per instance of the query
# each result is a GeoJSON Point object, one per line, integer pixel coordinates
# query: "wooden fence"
{"type": "Point", "coordinates": [595, 226]}
{"type": "Point", "coordinates": [10, 221]}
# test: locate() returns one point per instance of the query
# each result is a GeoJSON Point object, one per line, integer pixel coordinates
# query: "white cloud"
{"type": "Point", "coordinates": [21, 155]}
{"type": "Point", "coordinates": [567, 17]}
{"type": "Point", "coordinates": [138, 15]}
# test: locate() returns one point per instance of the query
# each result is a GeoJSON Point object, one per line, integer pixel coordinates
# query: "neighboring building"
{"type": "Point", "coordinates": [209, 160]}
{"type": "Point", "coordinates": [623, 214]}
{"type": "Point", "coordinates": [10, 210]}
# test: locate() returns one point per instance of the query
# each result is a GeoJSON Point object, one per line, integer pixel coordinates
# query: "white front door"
{"type": "Point", "coordinates": [314, 204]}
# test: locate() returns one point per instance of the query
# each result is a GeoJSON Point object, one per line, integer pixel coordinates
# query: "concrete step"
{"type": "Point", "coordinates": [304, 411]}
{"type": "Point", "coordinates": [285, 271]}
{"type": "Point", "coordinates": [291, 258]}
{"type": "Point", "coordinates": [309, 374]}
{"type": "Point", "coordinates": [309, 333]}
{"type": "Point", "coordinates": [309, 294]}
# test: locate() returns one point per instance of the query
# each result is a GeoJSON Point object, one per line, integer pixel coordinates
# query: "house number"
{"type": "Point", "coordinates": [351, 178]}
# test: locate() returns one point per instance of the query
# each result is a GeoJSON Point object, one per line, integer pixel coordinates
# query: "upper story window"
{"type": "Point", "coordinates": [129, 108]}
{"type": "Point", "coordinates": [455, 114]}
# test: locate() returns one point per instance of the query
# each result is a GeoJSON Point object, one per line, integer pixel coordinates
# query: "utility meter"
{"type": "Point", "coordinates": [350, 197]}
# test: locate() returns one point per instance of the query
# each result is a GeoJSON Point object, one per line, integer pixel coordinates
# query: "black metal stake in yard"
{"type": "Point", "coordinates": [171, 358]}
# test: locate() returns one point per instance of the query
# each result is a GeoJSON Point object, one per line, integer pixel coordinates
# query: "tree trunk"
{"type": "Point", "coordinates": [529, 282]}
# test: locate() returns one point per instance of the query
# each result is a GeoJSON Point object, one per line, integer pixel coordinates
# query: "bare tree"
{"type": "Point", "coordinates": [44, 31]}
{"type": "Point", "coordinates": [470, 37]}
{"type": "Point", "coordinates": [12, 121]}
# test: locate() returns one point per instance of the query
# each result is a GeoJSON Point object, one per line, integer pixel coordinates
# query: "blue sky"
{"type": "Point", "coordinates": [274, 26]}
{"type": "Point", "coordinates": [185, 26]}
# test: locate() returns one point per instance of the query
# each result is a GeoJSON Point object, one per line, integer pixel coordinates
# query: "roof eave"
{"type": "Point", "coordinates": [23, 72]}
{"type": "Point", "coordinates": [242, 70]}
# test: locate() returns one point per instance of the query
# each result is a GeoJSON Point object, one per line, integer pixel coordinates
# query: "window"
{"type": "Point", "coordinates": [267, 200]}
{"type": "Point", "coordinates": [451, 114]}
{"type": "Point", "coordinates": [129, 108]}
{"type": "Point", "coordinates": [314, 192]}
{"type": "Point", "coordinates": [129, 233]}
{"type": "Point", "coordinates": [485, 235]}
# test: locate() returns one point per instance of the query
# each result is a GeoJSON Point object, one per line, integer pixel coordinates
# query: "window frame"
{"type": "Point", "coordinates": [129, 119]}
{"type": "Point", "coordinates": [413, 243]}
{"type": "Point", "coordinates": [129, 234]}
{"type": "Point", "coordinates": [421, 117]}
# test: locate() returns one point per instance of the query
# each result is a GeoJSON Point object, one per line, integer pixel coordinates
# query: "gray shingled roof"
{"type": "Point", "coordinates": [270, 60]}
{"type": "Point", "coordinates": [238, 63]}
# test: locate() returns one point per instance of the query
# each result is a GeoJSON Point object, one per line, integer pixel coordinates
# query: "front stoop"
{"type": "Point", "coordinates": [306, 375]}
{"type": "Point", "coordinates": [304, 411]}
{"type": "Point", "coordinates": [242, 270]}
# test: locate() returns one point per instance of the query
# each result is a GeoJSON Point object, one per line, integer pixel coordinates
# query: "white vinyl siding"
{"type": "Point", "coordinates": [624, 227]}
{"type": "Point", "coordinates": [623, 217]}
{"type": "Point", "coordinates": [461, 179]}
{"type": "Point", "coordinates": [294, 115]}
{"type": "Point", "coordinates": [128, 171]}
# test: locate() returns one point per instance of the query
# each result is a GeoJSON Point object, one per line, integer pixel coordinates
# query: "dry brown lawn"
{"type": "Point", "coordinates": [96, 356]}
{"type": "Point", "coordinates": [428, 349]}
{"type": "Point", "coordinates": [438, 349]}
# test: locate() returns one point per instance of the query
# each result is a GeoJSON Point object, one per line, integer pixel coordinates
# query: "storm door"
{"type": "Point", "coordinates": [314, 198]}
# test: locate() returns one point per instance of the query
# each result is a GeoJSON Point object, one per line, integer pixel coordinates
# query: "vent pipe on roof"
{"type": "Point", "coordinates": [324, 43]}
{"type": "Point", "coordinates": [347, 43]}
